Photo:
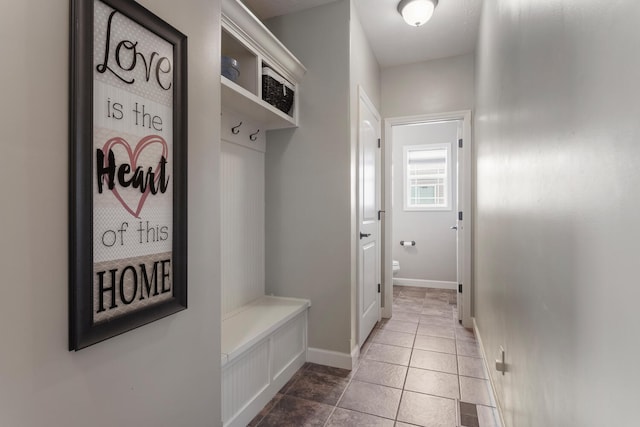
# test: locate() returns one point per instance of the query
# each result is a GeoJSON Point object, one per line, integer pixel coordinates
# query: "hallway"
{"type": "Point", "coordinates": [419, 368]}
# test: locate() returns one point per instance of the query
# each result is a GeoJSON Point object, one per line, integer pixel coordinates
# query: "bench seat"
{"type": "Point", "coordinates": [263, 344]}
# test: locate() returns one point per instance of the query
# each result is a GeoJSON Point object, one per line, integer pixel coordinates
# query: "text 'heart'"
{"type": "Point", "coordinates": [134, 155]}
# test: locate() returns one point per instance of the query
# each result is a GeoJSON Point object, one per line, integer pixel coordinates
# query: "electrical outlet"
{"type": "Point", "coordinates": [501, 365]}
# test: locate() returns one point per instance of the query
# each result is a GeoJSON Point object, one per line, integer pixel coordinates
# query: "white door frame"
{"type": "Point", "coordinates": [465, 206]}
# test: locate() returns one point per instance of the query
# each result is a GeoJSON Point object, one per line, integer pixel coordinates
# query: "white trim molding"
{"type": "Point", "coordinates": [488, 366]}
{"type": "Point", "coordinates": [239, 20]}
{"type": "Point", "coordinates": [465, 189]}
{"type": "Point", "coordinates": [333, 358]}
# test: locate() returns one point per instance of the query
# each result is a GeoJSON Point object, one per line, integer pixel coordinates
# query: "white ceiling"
{"type": "Point", "coordinates": [453, 30]}
{"type": "Point", "coordinates": [265, 9]}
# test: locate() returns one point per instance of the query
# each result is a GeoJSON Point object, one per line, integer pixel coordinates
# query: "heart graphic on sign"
{"type": "Point", "coordinates": [134, 155]}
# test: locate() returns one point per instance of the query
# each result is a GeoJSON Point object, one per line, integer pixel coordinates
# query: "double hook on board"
{"type": "Point", "coordinates": [236, 130]}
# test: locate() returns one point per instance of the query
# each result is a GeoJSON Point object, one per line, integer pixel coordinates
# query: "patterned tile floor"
{"type": "Point", "coordinates": [420, 368]}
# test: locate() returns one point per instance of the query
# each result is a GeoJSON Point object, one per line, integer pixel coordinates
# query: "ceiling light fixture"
{"type": "Point", "coordinates": [416, 12]}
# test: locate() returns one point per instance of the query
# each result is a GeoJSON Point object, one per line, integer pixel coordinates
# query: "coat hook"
{"type": "Point", "coordinates": [254, 136]}
{"type": "Point", "coordinates": [236, 129]}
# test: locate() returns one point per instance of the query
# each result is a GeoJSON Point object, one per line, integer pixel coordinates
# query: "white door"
{"type": "Point", "coordinates": [369, 182]}
{"type": "Point", "coordinates": [460, 223]}
{"type": "Point", "coordinates": [463, 223]}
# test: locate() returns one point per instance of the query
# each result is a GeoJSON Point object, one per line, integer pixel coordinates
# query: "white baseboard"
{"type": "Point", "coordinates": [333, 358]}
{"type": "Point", "coordinates": [355, 355]}
{"type": "Point", "coordinates": [419, 283]}
{"type": "Point", "coordinates": [488, 365]}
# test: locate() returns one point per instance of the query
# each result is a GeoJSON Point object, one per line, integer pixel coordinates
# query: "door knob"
{"type": "Point", "coordinates": [454, 227]}
{"type": "Point", "coordinates": [363, 235]}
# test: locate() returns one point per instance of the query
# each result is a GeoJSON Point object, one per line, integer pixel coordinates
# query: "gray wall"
{"type": "Point", "coordinates": [434, 256]}
{"type": "Point", "coordinates": [557, 204]}
{"type": "Point", "coordinates": [308, 194]}
{"type": "Point", "coordinates": [436, 86]}
{"type": "Point", "coordinates": [310, 172]}
{"type": "Point", "coordinates": [162, 374]}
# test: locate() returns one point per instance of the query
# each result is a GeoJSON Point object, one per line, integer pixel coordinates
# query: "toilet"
{"type": "Point", "coordinates": [396, 267]}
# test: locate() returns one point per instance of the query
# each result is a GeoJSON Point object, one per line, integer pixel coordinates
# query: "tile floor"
{"type": "Point", "coordinates": [420, 368]}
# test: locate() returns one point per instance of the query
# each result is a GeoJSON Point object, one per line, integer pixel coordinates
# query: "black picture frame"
{"type": "Point", "coordinates": [83, 330]}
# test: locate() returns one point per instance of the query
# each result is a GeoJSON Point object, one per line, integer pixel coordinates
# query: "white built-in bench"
{"type": "Point", "coordinates": [263, 344]}
{"type": "Point", "coordinates": [264, 338]}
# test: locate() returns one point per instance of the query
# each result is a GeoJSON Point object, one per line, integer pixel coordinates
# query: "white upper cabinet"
{"type": "Point", "coordinates": [248, 41]}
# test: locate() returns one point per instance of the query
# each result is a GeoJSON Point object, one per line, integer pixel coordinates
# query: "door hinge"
{"type": "Point", "coordinates": [380, 214]}
{"type": "Point", "coordinates": [378, 287]}
{"type": "Point", "coordinates": [460, 287]}
{"type": "Point", "coordinates": [378, 142]}
{"type": "Point", "coordinates": [460, 216]}
{"type": "Point", "coordinates": [460, 143]}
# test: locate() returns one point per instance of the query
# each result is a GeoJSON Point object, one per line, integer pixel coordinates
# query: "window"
{"type": "Point", "coordinates": [427, 177]}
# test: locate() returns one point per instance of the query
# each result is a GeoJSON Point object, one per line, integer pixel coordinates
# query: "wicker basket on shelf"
{"type": "Point", "coordinates": [277, 91]}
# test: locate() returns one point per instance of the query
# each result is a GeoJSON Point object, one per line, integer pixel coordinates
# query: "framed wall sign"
{"type": "Point", "coordinates": [128, 170]}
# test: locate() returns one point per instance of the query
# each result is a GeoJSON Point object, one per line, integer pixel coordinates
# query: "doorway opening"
{"type": "Point", "coordinates": [427, 200]}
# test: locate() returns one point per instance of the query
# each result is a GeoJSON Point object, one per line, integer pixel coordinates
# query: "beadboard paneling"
{"type": "Point", "coordinates": [288, 343]}
{"type": "Point", "coordinates": [242, 180]}
{"type": "Point", "coordinates": [244, 380]}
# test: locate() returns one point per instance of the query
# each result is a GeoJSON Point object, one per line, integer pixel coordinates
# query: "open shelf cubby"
{"type": "Point", "coordinates": [247, 40]}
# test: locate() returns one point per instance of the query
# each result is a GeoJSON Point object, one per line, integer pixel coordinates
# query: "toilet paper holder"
{"type": "Point", "coordinates": [407, 243]}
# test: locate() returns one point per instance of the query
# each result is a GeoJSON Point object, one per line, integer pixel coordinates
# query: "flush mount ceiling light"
{"type": "Point", "coordinates": [416, 12]}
